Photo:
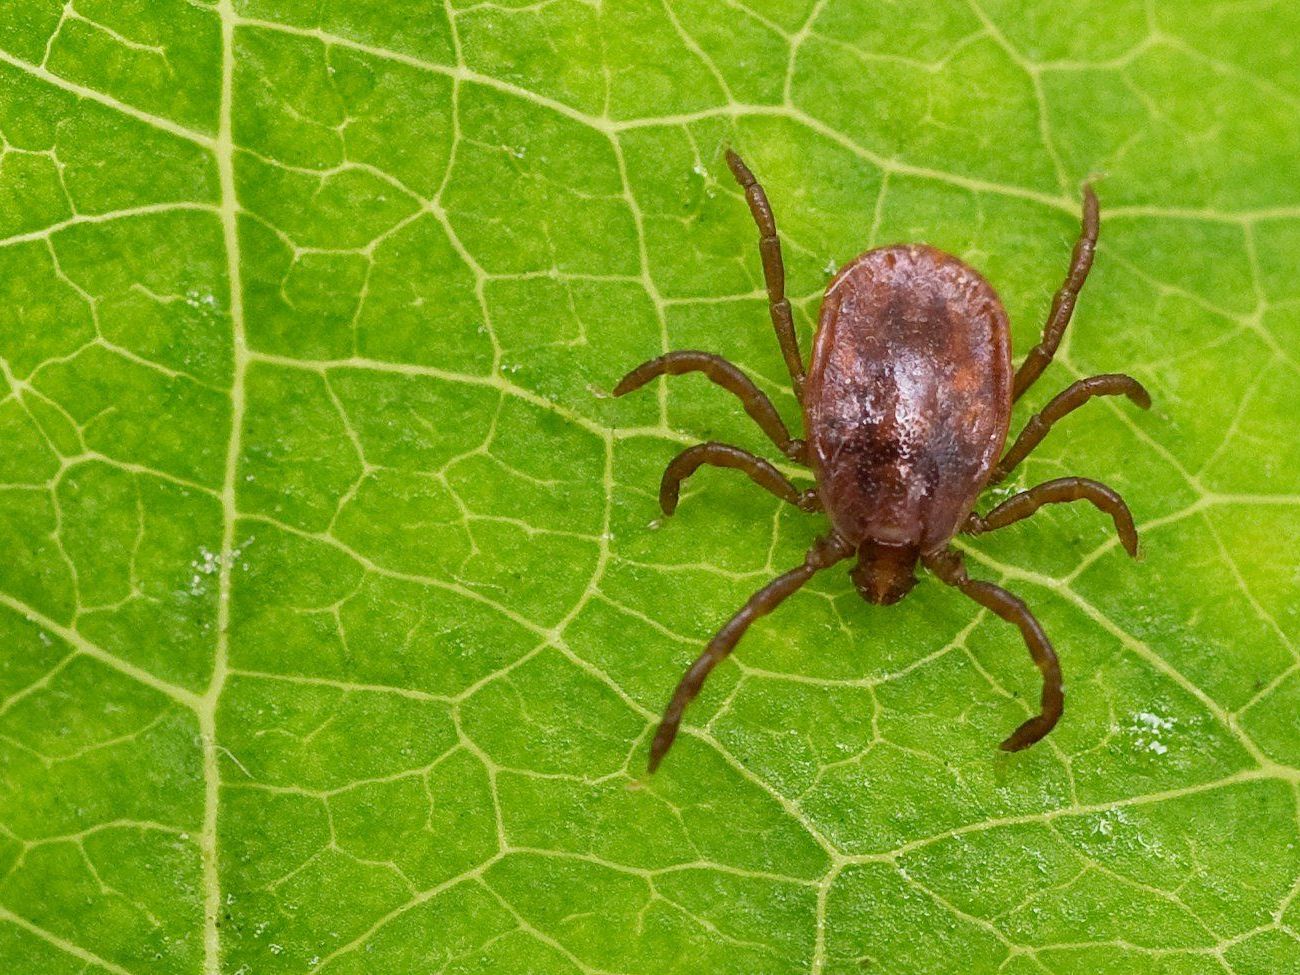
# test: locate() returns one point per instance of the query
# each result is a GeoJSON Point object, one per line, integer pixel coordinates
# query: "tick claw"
{"type": "Point", "coordinates": [663, 740]}
{"type": "Point", "coordinates": [1139, 395]}
{"type": "Point", "coordinates": [1029, 733]}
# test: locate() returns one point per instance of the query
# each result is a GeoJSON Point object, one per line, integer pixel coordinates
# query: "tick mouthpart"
{"type": "Point", "coordinates": [884, 573]}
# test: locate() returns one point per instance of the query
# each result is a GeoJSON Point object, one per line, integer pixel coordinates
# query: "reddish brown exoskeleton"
{"type": "Point", "coordinates": [906, 406]}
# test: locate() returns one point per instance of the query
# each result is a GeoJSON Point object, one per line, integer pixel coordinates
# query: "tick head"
{"type": "Point", "coordinates": [884, 573]}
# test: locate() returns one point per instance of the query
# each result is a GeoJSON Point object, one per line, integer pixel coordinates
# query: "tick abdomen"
{"type": "Point", "coordinates": [908, 395]}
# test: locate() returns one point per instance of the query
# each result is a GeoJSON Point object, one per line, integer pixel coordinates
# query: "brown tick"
{"type": "Point", "coordinates": [906, 406]}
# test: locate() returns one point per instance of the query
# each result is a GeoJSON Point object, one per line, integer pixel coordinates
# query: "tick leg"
{"type": "Point", "coordinates": [950, 568]}
{"type": "Point", "coordinates": [724, 455]}
{"type": "Point", "coordinates": [1024, 504]}
{"type": "Point", "coordinates": [730, 378]}
{"type": "Point", "coordinates": [824, 553]}
{"type": "Point", "coordinates": [769, 245]}
{"type": "Point", "coordinates": [1070, 400]}
{"type": "Point", "coordinates": [1063, 302]}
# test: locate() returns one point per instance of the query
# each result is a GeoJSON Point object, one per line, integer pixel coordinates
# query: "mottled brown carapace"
{"type": "Point", "coordinates": [908, 396]}
{"type": "Point", "coordinates": [907, 403]}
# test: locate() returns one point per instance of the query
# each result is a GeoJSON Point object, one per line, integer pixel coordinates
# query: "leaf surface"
{"type": "Point", "coordinates": [337, 610]}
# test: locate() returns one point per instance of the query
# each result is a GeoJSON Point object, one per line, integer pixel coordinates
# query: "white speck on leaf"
{"type": "Point", "coordinates": [1154, 721]}
{"type": "Point", "coordinates": [1147, 727]}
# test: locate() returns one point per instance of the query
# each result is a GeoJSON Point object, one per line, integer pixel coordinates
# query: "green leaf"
{"type": "Point", "coordinates": [336, 607]}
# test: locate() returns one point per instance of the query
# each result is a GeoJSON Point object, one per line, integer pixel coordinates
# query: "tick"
{"type": "Point", "coordinates": [906, 406]}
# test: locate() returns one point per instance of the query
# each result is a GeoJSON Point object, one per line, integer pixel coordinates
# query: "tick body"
{"type": "Point", "coordinates": [907, 403]}
{"type": "Point", "coordinates": [908, 396]}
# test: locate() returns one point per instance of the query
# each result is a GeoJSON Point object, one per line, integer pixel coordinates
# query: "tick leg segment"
{"type": "Point", "coordinates": [1063, 489]}
{"type": "Point", "coordinates": [824, 553]}
{"type": "Point", "coordinates": [1063, 302]}
{"type": "Point", "coordinates": [950, 568]}
{"type": "Point", "coordinates": [724, 455]}
{"type": "Point", "coordinates": [1112, 384]}
{"type": "Point", "coordinates": [769, 245]}
{"type": "Point", "coordinates": [730, 378]}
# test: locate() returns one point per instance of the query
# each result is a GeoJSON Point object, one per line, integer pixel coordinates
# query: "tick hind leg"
{"type": "Point", "coordinates": [1064, 300]}
{"type": "Point", "coordinates": [1113, 384]}
{"type": "Point", "coordinates": [824, 553]}
{"type": "Point", "coordinates": [769, 245]}
{"type": "Point", "coordinates": [1061, 490]}
{"type": "Point", "coordinates": [729, 377]}
{"type": "Point", "coordinates": [724, 455]}
{"type": "Point", "coordinates": [950, 568]}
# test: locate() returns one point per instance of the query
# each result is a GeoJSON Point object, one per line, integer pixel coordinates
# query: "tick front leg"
{"type": "Point", "coordinates": [824, 553]}
{"type": "Point", "coordinates": [724, 455]}
{"type": "Point", "coordinates": [769, 245]}
{"type": "Point", "coordinates": [1113, 384]}
{"type": "Point", "coordinates": [1063, 489]}
{"type": "Point", "coordinates": [1064, 300]}
{"type": "Point", "coordinates": [950, 567]}
{"type": "Point", "coordinates": [729, 377]}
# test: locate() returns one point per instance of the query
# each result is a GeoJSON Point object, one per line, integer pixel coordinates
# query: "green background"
{"type": "Point", "coordinates": [335, 608]}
